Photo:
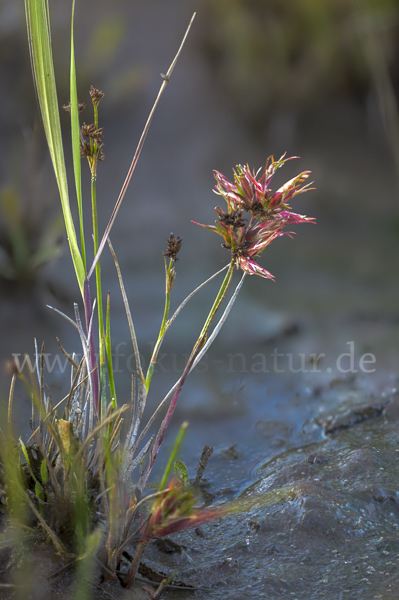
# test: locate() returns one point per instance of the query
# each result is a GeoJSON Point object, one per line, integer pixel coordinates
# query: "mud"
{"type": "Point", "coordinates": [313, 520]}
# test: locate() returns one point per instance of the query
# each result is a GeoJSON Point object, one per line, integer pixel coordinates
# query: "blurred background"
{"type": "Point", "coordinates": [317, 79]}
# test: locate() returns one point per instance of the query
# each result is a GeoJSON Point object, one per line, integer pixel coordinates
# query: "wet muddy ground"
{"type": "Point", "coordinates": [310, 463]}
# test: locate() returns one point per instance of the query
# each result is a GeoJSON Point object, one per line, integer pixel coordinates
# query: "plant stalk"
{"type": "Point", "coordinates": [101, 331]}
{"type": "Point", "coordinates": [196, 350]}
{"type": "Point", "coordinates": [92, 346]}
{"type": "Point", "coordinates": [218, 300]}
{"type": "Point", "coordinates": [163, 327]}
{"type": "Point", "coordinates": [134, 566]}
{"type": "Point", "coordinates": [166, 79]}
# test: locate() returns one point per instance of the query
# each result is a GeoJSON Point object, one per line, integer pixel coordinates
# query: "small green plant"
{"type": "Point", "coordinates": [76, 478]}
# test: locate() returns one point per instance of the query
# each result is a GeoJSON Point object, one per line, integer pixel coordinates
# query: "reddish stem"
{"type": "Point", "coordinates": [134, 566]}
{"type": "Point", "coordinates": [165, 423]}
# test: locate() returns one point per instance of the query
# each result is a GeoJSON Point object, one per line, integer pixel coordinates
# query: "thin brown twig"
{"type": "Point", "coordinates": [166, 79]}
{"type": "Point", "coordinates": [206, 454]}
{"type": "Point", "coordinates": [10, 399]}
{"type": "Point", "coordinates": [160, 590]}
{"type": "Point", "coordinates": [67, 356]}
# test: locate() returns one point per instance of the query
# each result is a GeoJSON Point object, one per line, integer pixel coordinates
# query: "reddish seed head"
{"type": "Point", "coordinates": [269, 212]}
{"type": "Point", "coordinates": [176, 511]}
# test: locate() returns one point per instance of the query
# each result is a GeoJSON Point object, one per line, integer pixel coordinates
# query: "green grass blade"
{"type": "Point", "coordinates": [172, 457]}
{"type": "Point", "coordinates": [86, 566]}
{"type": "Point", "coordinates": [39, 37]}
{"type": "Point", "coordinates": [76, 139]}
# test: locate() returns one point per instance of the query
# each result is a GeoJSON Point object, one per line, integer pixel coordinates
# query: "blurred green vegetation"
{"type": "Point", "coordinates": [269, 55]}
{"type": "Point", "coordinates": [31, 226]}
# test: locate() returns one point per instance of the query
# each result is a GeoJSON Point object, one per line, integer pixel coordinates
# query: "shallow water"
{"type": "Point", "coordinates": [304, 530]}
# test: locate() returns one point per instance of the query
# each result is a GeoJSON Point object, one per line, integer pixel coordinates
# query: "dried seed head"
{"type": "Point", "coordinates": [231, 219]}
{"type": "Point", "coordinates": [174, 245]}
{"type": "Point", "coordinates": [85, 149]}
{"type": "Point", "coordinates": [96, 96]}
{"type": "Point", "coordinates": [92, 133]}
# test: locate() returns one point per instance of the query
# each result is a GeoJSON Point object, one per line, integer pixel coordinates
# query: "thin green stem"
{"type": "Point", "coordinates": [163, 327]}
{"type": "Point", "coordinates": [95, 115]}
{"type": "Point", "coordinates": [82, 238]}
{"type": "Point", "coordinates": [101, 346]}
{"type": "Point", "coordinates": [200, 343]}
{"type": "Point", "coordinates": [167, 299]}
{"type": "Point", "coordinates": [109, 356]}
{"type": "Point", "coordinates": [218, 300]}
{"type": "Point", "coordinates": [172, 457]}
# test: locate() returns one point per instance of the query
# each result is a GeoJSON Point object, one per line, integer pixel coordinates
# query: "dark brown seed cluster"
{"type": "Point", "coordinates": [174, 245]}
{"type": "Point", "coordinates": [92, 133]}
{"type": "Point", "coordinates": [87, 148]}
{"type": "Point", "coordinates": [241, 250]}
{"type": "Point", "coordinates": [232, 219]}
{"type": "Point", "coordinates": [96, 96]}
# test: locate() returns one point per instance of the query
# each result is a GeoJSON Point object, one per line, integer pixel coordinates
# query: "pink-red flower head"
{"type": "Point", "coordinates": [253, 194]}
{"type": "Point", "coordinates": [269, 212]}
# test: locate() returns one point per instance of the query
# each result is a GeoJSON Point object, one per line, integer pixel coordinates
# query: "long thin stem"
{"type": "Point", "coordinates": [140, 145]}
{"type": "Point", "coordinates": [151, 366]}
{"type": "Point", "coordinates": [173, 454]}
{"type": "Point", "coordinates": [168, 288]}
{"type": "Point", "coordinates": [166, 323]}
{"type": "Point", "coordinates": [195, 352]}
{"type": "Point", "coordinates": [10, 400]}
{"type": "Point", "coordinates": [146, 535]}
{"type": "Point", "coordinates": [134, 566]}
{"type": "Point", "coordinates": [163, 428]}
{"type": "Point", "coordinates": [92, 367]}
{"type": "Point", "coordinates": [218, 300]}
{"type": "Point", "coordinates": [101, 347]}
{"type": "Point", "coordinates": [134, 443]}
{"type": "Point", "coordinates": [108, 348]}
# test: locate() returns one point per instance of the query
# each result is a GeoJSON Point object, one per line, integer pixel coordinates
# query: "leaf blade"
{"type": "Point", "coordinates": [75, 134]}
{"type": "Point", "coordinates": [39, 37]}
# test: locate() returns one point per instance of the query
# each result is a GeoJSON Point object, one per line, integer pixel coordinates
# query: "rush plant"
{"type": "Point", "coordinates": [77, 469]}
